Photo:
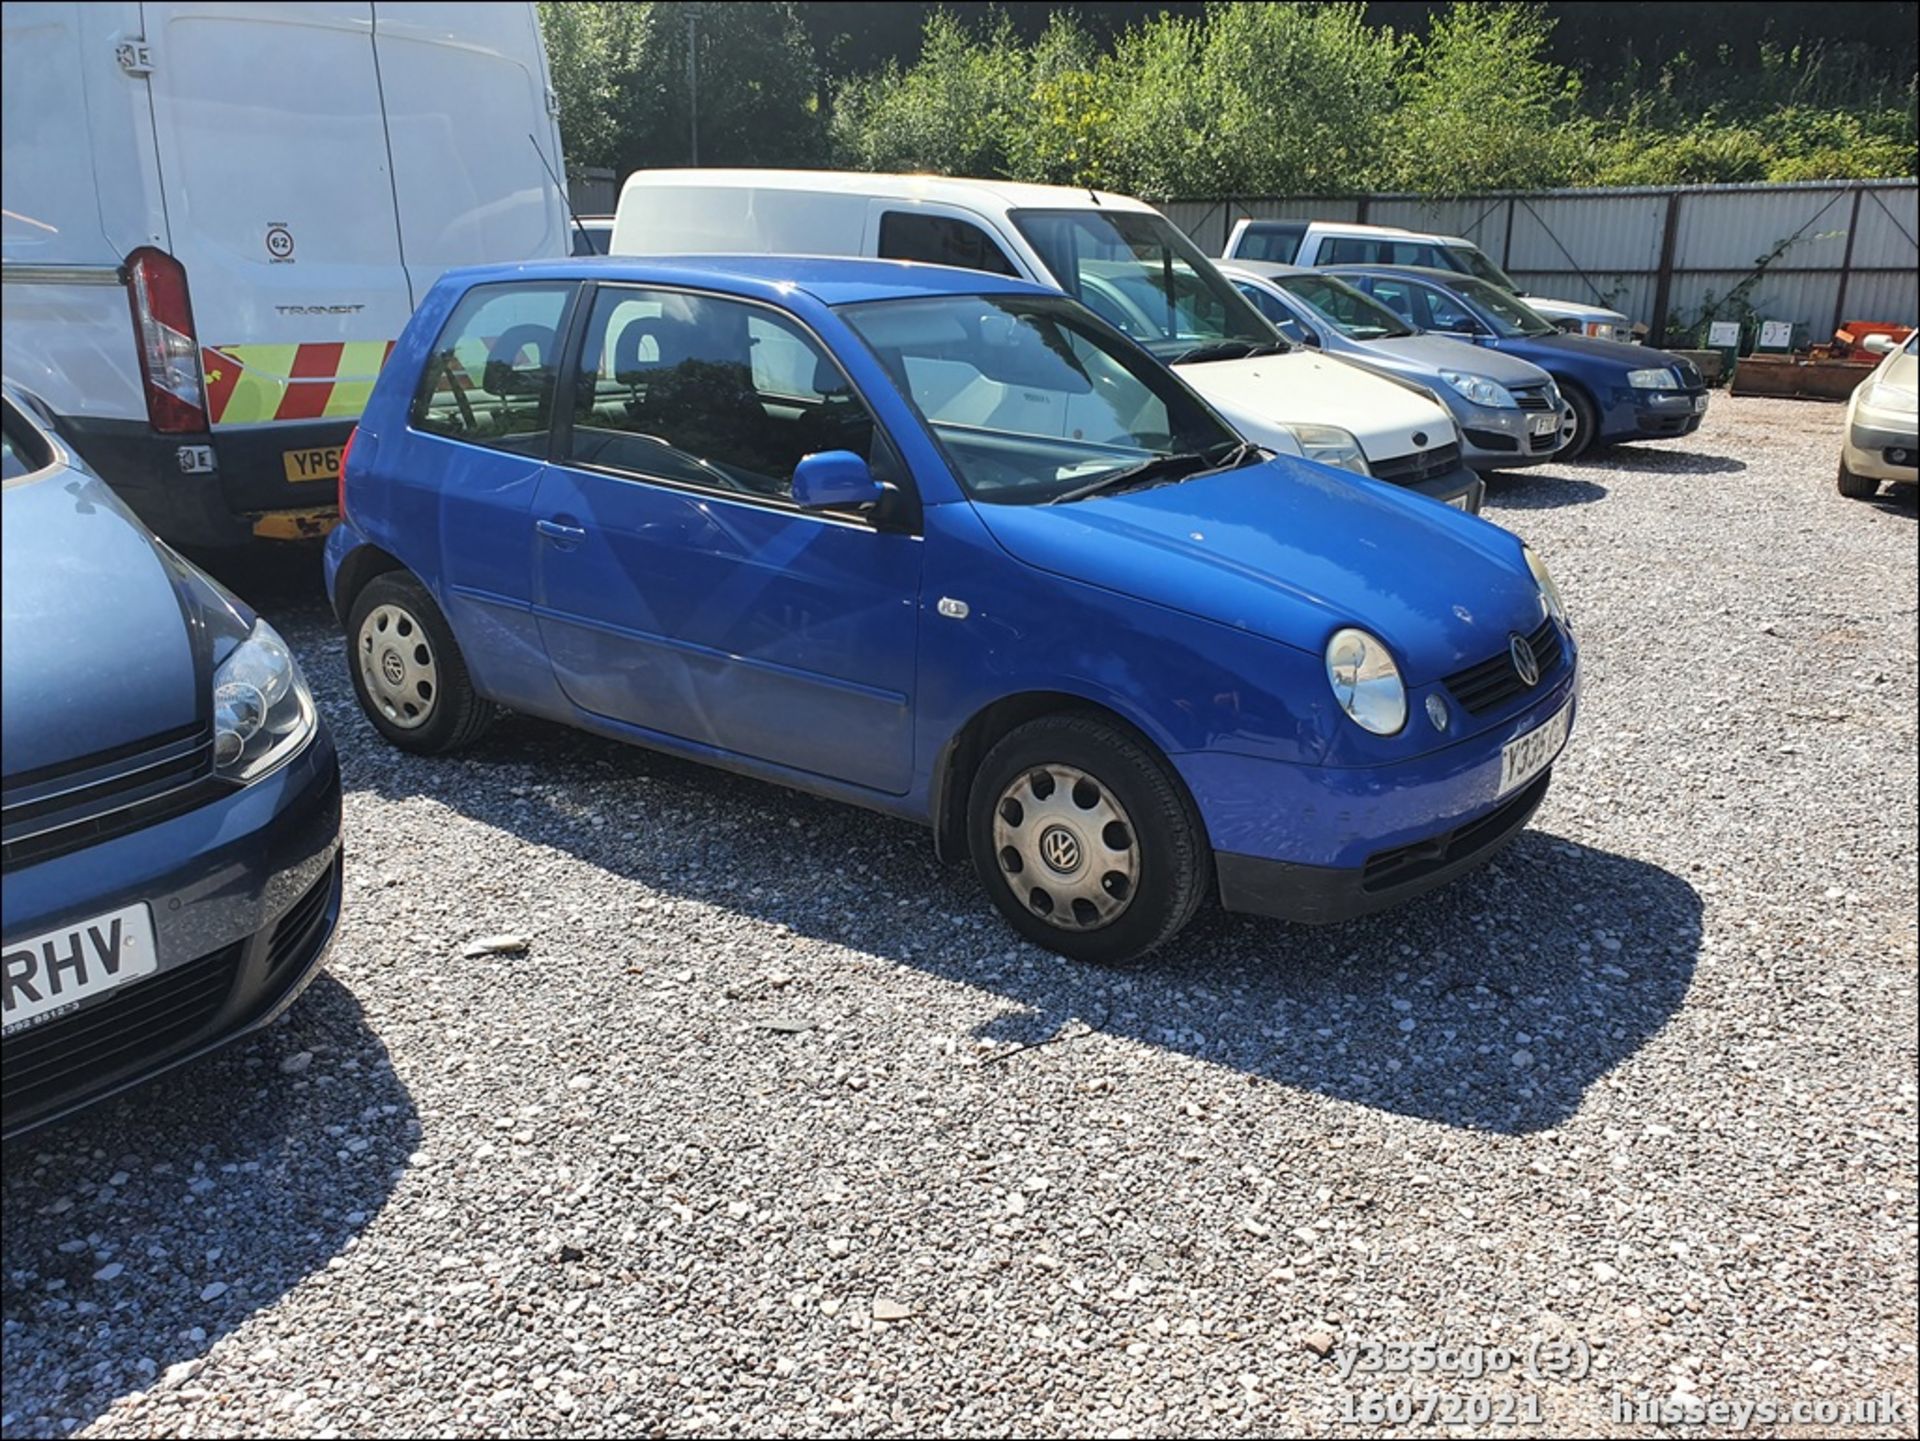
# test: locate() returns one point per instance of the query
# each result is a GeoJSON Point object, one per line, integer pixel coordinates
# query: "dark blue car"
{"type": "Point", "coordinates": [1617, 392]}
{"type": "Point", "coordinates": [949, 546]}
{"type": "Point", "coordinates": [172, 801]}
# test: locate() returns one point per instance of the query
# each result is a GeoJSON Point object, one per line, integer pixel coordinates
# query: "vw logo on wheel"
{"type": "Point", "coordinates": [1060, 849]}
{"type": "Point", "coordinates": [393, 668]}
{"type": "Point", "coordinates": [1525, 664]}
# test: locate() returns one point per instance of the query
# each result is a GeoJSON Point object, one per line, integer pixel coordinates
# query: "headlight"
{"type": "Point", "coordinates": [1549, 592]}
{"type": "Point", "coordinates": [1366, 682]}
{"type": "Point", "coordinates": [262, 712]}
{"type": "Point", "coordinates": [1330, 445]}
{"type": "Point", "coordinates": [1658, 379]}
{"type": "Point", "coordinates": [1480, 390]}
{"type": "Point", "coordinates": [1600, 329]}
{"type": "Point", "coordinates": [1882, 396]}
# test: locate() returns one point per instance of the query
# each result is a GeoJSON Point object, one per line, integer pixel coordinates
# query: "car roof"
{"type": "Point", "coordinates": [1271, 269]}
{"type": "Point", "coordinates": [953, 189]}
{"type": "Point", "coordinates": [829, 279]}
{"type": "Point", "coordinates": [1416, 272]}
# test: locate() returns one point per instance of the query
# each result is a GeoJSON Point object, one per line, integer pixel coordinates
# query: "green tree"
{"type": "Point", "coordinates": [621, 74]}
{"type": "Point", "coordinates": [951, 112]}
{"type": "Point", "coordinates": [1485, 107]}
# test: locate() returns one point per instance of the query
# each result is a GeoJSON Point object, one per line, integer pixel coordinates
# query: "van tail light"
{"type": "Point", "coordinates": [340, 486]}
{"type": "Point", "coordinates": [163, 333]}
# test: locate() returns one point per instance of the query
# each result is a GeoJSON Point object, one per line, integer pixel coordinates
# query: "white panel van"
{"type": "Point", "coordinates": [219, 216]}
{"type": "Point", "coordinates": [1118, 256]}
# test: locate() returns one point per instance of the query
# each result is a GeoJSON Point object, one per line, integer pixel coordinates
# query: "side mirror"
{"type": "Point", "coordinates": [1878, 344]}
{"type": "Point", "coordinates": [835, 480]}
{"type": "Point", "coordinates": [1310, 338]}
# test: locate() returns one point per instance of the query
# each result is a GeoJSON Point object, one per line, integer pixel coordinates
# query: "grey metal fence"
{"type": "Point", "coordinates": [593, 189]}
{"type": "Point", "coordinates": [1662, 255]}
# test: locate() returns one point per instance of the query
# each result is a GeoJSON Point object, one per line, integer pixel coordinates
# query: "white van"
{"type": "Point", "coordinates": [1334, 242]}
{"type": "Point", "coordinates": [1120, 257]}
{"type": "Point", "coordinates": [219, 216]}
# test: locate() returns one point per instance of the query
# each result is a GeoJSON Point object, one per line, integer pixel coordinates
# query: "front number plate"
{"type": "Point", "coordinates": [1524, 758]}
{"type": "Point", "coordinates": [57, 970]}
{"type": "Point", "coordinates": [322, 462]}
{"type": "Point", "coordinates": [1699, 405]}
{"type": "Point", "coordinates": [1545, 424]}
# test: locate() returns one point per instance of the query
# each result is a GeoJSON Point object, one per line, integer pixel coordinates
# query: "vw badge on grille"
{"type": "Point", "coordinates": [1525, 664]}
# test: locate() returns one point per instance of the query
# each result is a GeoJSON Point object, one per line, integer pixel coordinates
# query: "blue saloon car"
{"type": "Point", "coordinates": [949, 546]}
{"type": "Point", "coordinates": [1616, 392]}
{"type": "Point", "coordinates": [172, 801]}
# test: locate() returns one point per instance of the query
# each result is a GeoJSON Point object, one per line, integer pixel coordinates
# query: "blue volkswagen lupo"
{"type": "Point", "coordinates": [949, 546]}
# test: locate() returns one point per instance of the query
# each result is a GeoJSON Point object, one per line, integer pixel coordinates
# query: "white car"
{"type": "Point", "coordinates": [219, 217]}
{"type": "Point", "coordinates": [1883, 417]}
{"type": "Point", "coordinates": [1118, 256]}
{"type": "Point", "coordinates": [1322, 242]}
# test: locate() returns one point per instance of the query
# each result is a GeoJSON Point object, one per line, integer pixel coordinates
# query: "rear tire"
{"type": "Point", "coordinates": [407, 670]}
{"type": "Point", "coordinates": [1856, 487]}
{"type": "Point", "coordinates": [1085, 841]}
{"type": "Point", "coordinates": [1584, 427]}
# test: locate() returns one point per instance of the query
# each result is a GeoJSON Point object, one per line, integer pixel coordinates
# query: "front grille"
{"type": "Point", "coordinates": [1493, 682]}
{"type": "Point", "coordinates": [1421, 465]}
{"type": "Point", "coordinates": [1534, 399]}
{"type": "Point", "coordinates": [61, 808]}
{"type": "Point", "coordinates": [142, 1024]}
{"type": "Point", "coordinates": [1403, 865]}
{"type": "Point", "coordinates": [1689, 374]}
{"type": "Point", "coordinates": [1549, 441]}
{"type": "Point", "coordinates": [295, 933]}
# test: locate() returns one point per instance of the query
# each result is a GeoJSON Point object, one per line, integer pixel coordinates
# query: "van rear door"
{"type": "Point", "coordinates": [279, 199]}
{"type": "Point", "coordinates": [474, 140]}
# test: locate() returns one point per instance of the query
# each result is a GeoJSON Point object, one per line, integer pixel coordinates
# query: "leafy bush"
{"type": "Point", "coordinates": [1250, 98]}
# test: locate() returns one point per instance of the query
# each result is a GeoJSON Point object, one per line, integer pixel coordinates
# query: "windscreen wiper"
{"type": "Point", "coordinates": [1157, 468]}
{"type": "Point", "coordinates": [1215, 350]}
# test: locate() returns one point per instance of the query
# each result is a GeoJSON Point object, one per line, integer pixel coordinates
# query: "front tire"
{"type": "Point", "coordinates": [1085, 841]}
{"type": "Point", "coordinates": [1855, 486]}
{"type": "Point", "coordinates": [407, 669]}
{"type": "Point", "coordinates": [1581, 428]}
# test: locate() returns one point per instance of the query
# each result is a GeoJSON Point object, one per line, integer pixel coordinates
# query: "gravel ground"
{"type": "Point", "coordinates": [775, 1127]}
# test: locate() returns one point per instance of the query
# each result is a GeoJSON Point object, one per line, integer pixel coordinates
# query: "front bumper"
{"type": "Point", "coordinates": [1653, 414]}
{"type": "Point", "coordinates": [1323, 895]}
{"type": "Point", "coordinates": [1460, 488]}
{"type": "Point", "coordinates": [244, 894]}
{"type": "Point", "coordinates": [1323, 843]}
{"type": "Point", "coordinates": [1503, 439]}
{"type": "Point", "coordinates": [1883, 446]}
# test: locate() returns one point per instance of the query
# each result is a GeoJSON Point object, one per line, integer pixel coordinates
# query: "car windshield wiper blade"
{"type": "Point", "coordinates": [1240, 455]}
{"type": "Point", "coordinates": [1272, 347]}
{"type": "Point", "coordinates": [1154, 468]}
{"type": "Point", "coordinates": [1214, 350]}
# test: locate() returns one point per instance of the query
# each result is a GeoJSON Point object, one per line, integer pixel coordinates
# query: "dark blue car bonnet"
{"type": "Point", "coordinates": [1291, 551]}
{"type": "Point", "coordinates": [96, 647]}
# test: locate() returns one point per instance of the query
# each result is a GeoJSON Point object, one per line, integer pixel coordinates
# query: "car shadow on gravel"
{"type": "Point", "coordinates": [139, 1232]}
{"type": "Point", "coordinates": [1493, 1004]}
{"type": "Point", "coordinates": [1534, 490]}
{"type": "Point", "coordinates": [1652, 460]}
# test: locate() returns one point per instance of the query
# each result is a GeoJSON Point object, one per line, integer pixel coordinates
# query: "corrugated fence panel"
{"type": "Point", "coordinates": [593, 191]}
{"type": "Point", "coordinates": [1604, 246]}
{"type": "Point", "coordinates": [1889, 223]}
{"type": "Point", "coordinates": [1732, 230]}
{"type": "Point", "coordinates": [1598, 233]}
{"type": "Point", "coordinates": [1890, 295]}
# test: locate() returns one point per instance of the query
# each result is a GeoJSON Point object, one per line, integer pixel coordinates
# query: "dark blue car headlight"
{"type": "Point", "coordinates": [262, 710]}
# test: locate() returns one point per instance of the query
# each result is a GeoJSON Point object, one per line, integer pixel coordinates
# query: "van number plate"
{"type": "Point", "coordinates": [319, 463]}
